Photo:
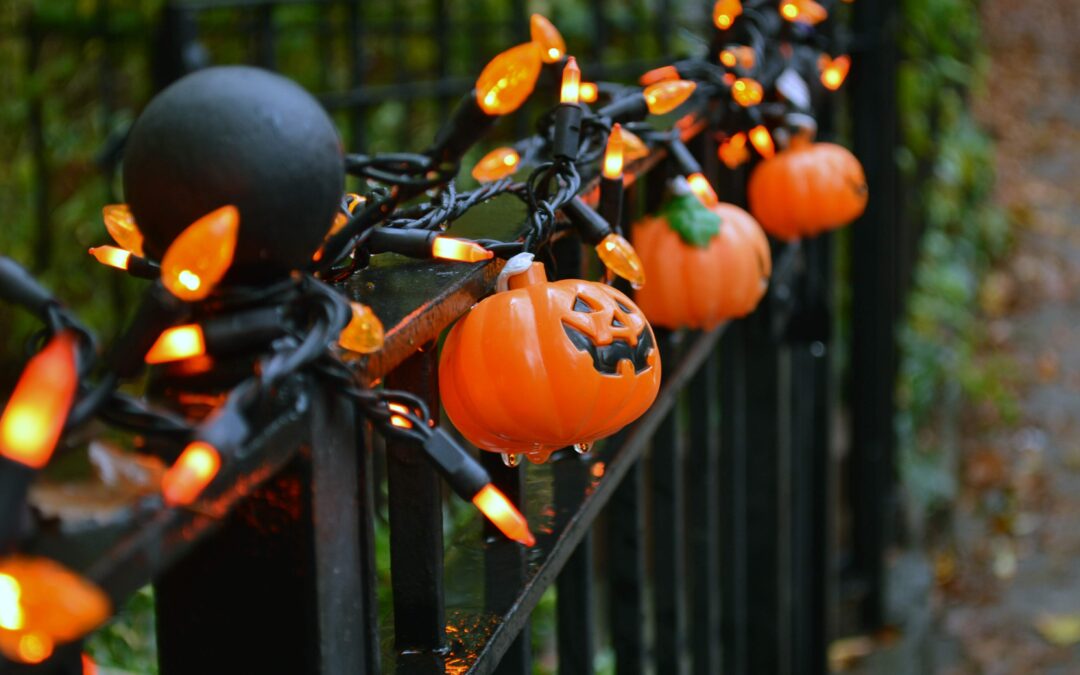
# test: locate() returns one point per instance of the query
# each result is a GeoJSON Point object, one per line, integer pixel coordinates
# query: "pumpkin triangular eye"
{"type": "Point", "coordinates": [617, 324]}
{"type": "Point", "coordinates": [623, 307]}
{"type": "Point", "coordinates": [581, 306]}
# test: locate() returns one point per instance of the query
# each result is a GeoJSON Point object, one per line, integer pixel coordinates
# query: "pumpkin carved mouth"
{"type": "Point", "coordinates": [606, 358]}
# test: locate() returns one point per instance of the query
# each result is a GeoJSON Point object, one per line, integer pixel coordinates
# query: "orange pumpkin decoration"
{"type": "Point", "coordinates": [698, 284]}
{"type": "Point", "coordinates": [545, 365]}
{"type": "Point", "coordinates": [807, 189]}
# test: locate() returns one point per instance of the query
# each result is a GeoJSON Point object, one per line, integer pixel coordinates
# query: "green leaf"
{"type": "Point", "coordinates": [696, 224]}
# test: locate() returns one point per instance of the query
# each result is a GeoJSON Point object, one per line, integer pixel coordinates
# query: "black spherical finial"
{"type": "Point", "coordinates": [242, 136]}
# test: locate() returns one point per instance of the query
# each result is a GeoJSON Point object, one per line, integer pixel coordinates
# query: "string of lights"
{"type": "Point", "coordinates": [765, 66]}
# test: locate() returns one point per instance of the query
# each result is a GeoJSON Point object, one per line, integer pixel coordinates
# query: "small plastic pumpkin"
{"type": "Point", "coordinates": [701, 274]}
{"type": "Point", "coordinates": [807, 189]}
{"type": "Point", "coordinates": [546, 365]}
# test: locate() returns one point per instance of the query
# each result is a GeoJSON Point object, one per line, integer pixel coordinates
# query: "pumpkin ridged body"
{"type": "Point", "coordinates": [698, 287]}
{"type": "Point", "coordinates": [807, 189]}
{"type": "Point", "coordinates": [512, 380]}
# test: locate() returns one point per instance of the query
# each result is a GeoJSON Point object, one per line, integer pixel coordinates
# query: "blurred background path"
{"type": "Point", "coordinates": [1007, 595]}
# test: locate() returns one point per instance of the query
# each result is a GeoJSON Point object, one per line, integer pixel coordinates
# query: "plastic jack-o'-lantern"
{"type": "Point", "coordinates": [704, 265]}
{"type": "Point", "coordinates": [546, 365]}
{"type": "Point", "coordinates": [807, 189]}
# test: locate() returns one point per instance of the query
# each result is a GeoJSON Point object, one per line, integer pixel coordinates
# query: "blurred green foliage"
{"type": "Point", "coordinates": [948, 162]}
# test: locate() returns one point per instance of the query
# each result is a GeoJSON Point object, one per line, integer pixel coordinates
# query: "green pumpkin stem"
{"type": "Point", "coordinates": [691, 220]}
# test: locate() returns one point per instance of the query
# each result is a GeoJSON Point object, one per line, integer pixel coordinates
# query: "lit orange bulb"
{"type": "Point", "coordinates": [589, 92]}
{"type": "Point", "coordinates": [834, 71]}
{"type": "Point", "coordinates": [111, 256]}
{"type": "Point", "coordinates": [508, 79]}
{"type": "Point", "coordinates": [661, 74]}
{"type": "Point", "coordinates": [663, 97]}
{"type": "Point", "coordinates": [88, 666]}
{"type": "Point", "coordinates": [725, 12]}
{"type": "Point", "coordinates": [43, 604]}
{"type": "Point", "coordinates": [739, 55]}
{"type": "Point", "coordinates": [762, 141]}
{"type": "Point", "coordinates": [497, 164]}
{"type": "Point", "coordinates": [633, 146]}
{"type": "Point", "coordinates": [733, 151]}
{"type": "Point", "coordinates": [201, 255]}
{"type": "Point", "coordinates": [747, 92]}
{"type": "Point", "coordinates": [176, 343]}
{"type": "Point", "coordinates": [364, 333]}
{"type": "Point", "coordinates": [613, 154]}
{"type": "Point", "coordinates": [122, 228]}
{"type": "Point", "coordinates": [701, 188]}
{"type": "Point", "coordinates": [571, 82]}
{"type": "Point", "coordinates": [505, 516]}
{"type": "Point", "coordinates": [188, 477]}
{"type": "Point", "coordinates": [619, 256]}
{"type": "Point", "coordinates": [547, 37]}
{"type": "Point", "coordinates": [38, 408]}
{"type": "Point", "coordinates": [806, 11]}
{"type": "Point", "coordinates": [448, 248]}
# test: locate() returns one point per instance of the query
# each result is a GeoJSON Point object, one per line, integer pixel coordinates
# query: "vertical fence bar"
{"type": "Point", "coordinates": [704, 519]}
{"type": "Point", "coordinates": [734, 595]}
{"type": "Point", "coordinates": [415, 509]}
{"type": "Point", "coordinates": [505, 564]}
{"type": "Point", "coordinates": [810, 458]}
{"type": "Point", "coordinates": [874, 304]}
{"type": "Point", "coordinates": [284, 571]}
{"type": "Point", "coordinates": [43, 241]}
{"type": "Point", "coordinates": [669, 532]}
{"type": "Point", "coordinates": [265, 37]}
{"type": "Point", "coordinates": [367, 484]}
{"type": "Point", "coordinates": [358, 73]}
{"type": "Point", "coordinates": [576, 618]}
{"type": "Point", "coordinates": [626, 574]}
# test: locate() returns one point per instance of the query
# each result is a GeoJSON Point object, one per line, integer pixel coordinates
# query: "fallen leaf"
{"type": "Point", "coordinates": [1060, 630]}
{"type": "Point", "coordinates": [845, 653]}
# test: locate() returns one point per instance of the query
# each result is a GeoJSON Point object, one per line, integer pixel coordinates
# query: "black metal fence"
{"type": "Point", "coordinates": [727, 530]}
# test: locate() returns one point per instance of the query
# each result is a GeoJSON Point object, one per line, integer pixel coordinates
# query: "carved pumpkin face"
{"type": "Point", "coordinates": [807, 189]}
{"type": "Point", "coordinates": [547, 365]}
{"type": "Point", "coordinates": [700, 286]}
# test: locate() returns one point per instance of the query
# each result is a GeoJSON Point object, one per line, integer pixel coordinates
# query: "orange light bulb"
{"type": "Point", "coordinates": [834, 71]}
{"type": "Point", "coordinates": [53, 605]}
{"type": "Point", "coordinates": [613, 154]}
{"type": "Point", "coordinates": [733, 151]}
{"type": "Point", "coordinates": [762, 141]}
{"type": "Point", "coordinates": [505, 516]}
{"type": "Point", "coordinates": [619, 256]}
{"type": "Point", "coordinates": [725, 12]}
{"type": "Point", "coordinates": [111, 256]}
{"type": "Point", "coordinates": [176, 343]}
{"type": "Point", "coordinates": [88, 666]}
{"type": "Point", "coordinates": [448, 248]}
{"type": "Point", "coordinates": [661, 74]}
{"type": "Point", "coordinates": [547, 37]}
{"type": "Point", "coordinates": [571, 82]}
{"type": "Point", "coordinates": [200, 255]}
{"type": "Point", "coordinates": [38, 408]}
{"type": "Point", "coordinates": [663, 97]}
{"type": "Point", "coordinates": [497, 164]}
{"type": "Point", "coordinates": [589, 92]}
{"type": "Point", "coordinates": [364, 333]}
{"type": "Point", "coordinates": [508, 79]}
{"type": "Point", "coordinates": [701, 188]}
{"type": "Point", "coordinates": [188, 477]}
{"type": "Point", "coordinates": [122, 228]}
{"type": "Point", "coordinates": [728, 58]}
{"type": "Point", "coordinates": [633, 146]}
{"type": "Point", "coordinates": [747, 92]}
{"type": "Point", "coordinates": [807, 11]}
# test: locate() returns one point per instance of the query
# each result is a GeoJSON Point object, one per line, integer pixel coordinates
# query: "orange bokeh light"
{"type": "Point", "coordinates": [188, 477]}
{"type": "Point", "coordinates": [38, 408]}
{"type": "Point", "coordinates": [178, 342]}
